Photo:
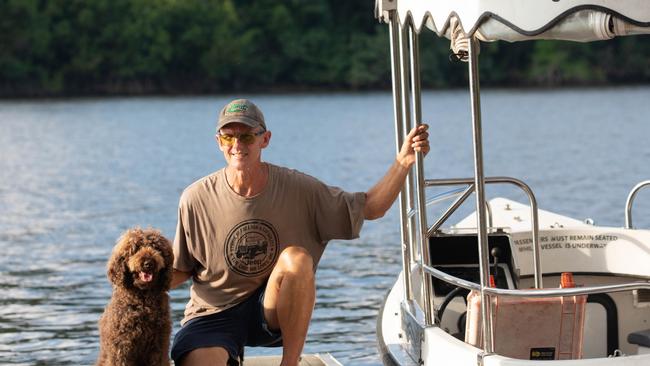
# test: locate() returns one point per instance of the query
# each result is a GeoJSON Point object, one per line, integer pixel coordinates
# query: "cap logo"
{"type": "Point", "coordinates": [237, 108]}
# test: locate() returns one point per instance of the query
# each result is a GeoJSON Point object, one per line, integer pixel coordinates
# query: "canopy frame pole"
{"type": "Point", "coordinates": [416, 95]}
{"type": "Point", "coordinates": [407, 125]}
{"type": "Point", "coordinates": [479, 185]}
{"type": "Point", "coordinates": [396, 67]}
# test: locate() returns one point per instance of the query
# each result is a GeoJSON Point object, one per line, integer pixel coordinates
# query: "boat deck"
{"type": "Point", "coordinates": [306, 360]}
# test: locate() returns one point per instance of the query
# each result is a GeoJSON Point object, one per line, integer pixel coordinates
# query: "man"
{"type": "Point", "coordinates": [251, 234]}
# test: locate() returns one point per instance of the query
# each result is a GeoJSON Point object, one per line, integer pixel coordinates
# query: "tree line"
{"type": "Point", "coordinates": [104, 47]}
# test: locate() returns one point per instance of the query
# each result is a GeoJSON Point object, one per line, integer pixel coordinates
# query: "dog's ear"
{"type": "Point", "coordinates": [116, 267]}
{"type": "Point", "coordinates": [165, 248]}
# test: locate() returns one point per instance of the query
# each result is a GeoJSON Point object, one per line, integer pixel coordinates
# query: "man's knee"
{"type": "Point", "coordinates": [297, 260]}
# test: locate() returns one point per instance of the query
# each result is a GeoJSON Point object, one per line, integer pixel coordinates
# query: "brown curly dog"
{"type": "Point", "coordinates": [136, 324]}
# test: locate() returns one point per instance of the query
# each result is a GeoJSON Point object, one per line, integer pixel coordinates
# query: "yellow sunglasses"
{"type": "Point", "coordinates": [245, 138]}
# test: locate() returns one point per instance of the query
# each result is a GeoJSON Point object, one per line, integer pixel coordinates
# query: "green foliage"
{"type": "Point", "coordinates": [556, 63]}
{"type": "Point", "coordinates": [72, 47]}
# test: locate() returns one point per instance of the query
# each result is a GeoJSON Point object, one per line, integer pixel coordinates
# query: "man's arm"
{"type": "Point", "coordinates": [382, 195]}
{"type": "Point", "coordinates": [178, 277]}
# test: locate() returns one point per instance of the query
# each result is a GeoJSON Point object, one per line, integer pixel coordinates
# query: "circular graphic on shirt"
{"type": "Point", "coordinates": [251, 248]}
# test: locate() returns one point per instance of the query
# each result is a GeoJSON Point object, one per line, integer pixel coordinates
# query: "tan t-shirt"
{"type": "Point", "coordinates": [230, 243]}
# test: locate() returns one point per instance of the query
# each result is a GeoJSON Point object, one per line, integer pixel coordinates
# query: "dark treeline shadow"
{"type": "Point", "coordinates": [132, 47]}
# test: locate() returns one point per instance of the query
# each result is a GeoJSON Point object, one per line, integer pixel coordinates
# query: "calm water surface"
{"type": "Point", "coordinates": [75, 173]}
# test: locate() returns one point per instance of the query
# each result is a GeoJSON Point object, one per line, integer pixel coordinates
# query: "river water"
{"type": "Point", "coordinates": [75, 173]}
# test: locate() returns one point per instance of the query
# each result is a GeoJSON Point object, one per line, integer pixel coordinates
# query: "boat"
{"type": "Point", "coordinates": [510, 283]}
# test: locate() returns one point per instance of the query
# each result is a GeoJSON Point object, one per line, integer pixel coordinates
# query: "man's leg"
{"type": "Point", "coordinates": [211, 339]}
{"type": "Point", "coordinates": [212, 356]}
{"type": "Point", "coordinates": [289, 301]}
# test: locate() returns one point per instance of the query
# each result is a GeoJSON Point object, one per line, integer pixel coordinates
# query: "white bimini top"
{"type": "Point", "coordinates": [518, 20]}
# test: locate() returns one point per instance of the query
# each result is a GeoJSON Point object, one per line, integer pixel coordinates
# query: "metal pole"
{"type": "Point", "coordinates": [407, 123]}
{"type": "Point", "coordinates": [479, 184]}
{"type": "Point", "coordinates": [427, 290]}
{"type": "Point", "coordinates": [537, 249]}
{"type": "Point", "coordinates": [628, 203]}
{"type": "Point", "coordinates": [399, 133]}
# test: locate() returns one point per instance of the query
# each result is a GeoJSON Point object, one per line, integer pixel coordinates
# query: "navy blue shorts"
{"type": "Point", "coordinates": [232, 329]}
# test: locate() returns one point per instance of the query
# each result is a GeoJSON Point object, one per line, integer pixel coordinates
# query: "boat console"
{"type": "Point", "coordinates": [457, 255]}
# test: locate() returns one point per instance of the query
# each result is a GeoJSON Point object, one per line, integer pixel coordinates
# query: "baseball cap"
{"type": "Point", "coordinates": [241, 111]}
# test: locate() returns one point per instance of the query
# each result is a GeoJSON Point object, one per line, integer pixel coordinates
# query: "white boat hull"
{"type": "Point", "coordinates": [441, 348]}
{"type": "Point", "coordinates": [597, 255]}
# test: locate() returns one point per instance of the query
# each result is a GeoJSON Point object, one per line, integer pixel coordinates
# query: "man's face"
{"type": "Point", "coordinates": [242, 145]}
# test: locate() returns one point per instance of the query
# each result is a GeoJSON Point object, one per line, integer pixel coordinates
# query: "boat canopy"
{"type": "Point", "coordinates": [520, 20]}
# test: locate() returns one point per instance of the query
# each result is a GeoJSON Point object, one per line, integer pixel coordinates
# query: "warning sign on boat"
{"type": "Point", "coordinates": [572, 241]}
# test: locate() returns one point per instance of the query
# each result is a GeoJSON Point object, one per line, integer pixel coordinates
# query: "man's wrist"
{"type": "Point", "coordinates": [404, 163]}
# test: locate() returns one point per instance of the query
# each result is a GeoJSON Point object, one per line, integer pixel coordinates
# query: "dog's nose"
{"type": "Point", "coordinates": [147, 265]}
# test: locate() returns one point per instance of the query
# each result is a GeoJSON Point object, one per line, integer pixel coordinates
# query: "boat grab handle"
{"type": "Point", "coordinates": [630, 199]}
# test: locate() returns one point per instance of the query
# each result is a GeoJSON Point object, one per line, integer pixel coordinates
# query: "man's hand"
{"type": "Point", "coordinates": [416, 141]}
{"type": "Point", "coordinates": [382, 195]}
{"type": "Point", "coordinates": [178, 277]}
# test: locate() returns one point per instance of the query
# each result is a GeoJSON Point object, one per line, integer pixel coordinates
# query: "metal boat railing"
{"type": "Point", "coordinates": [537, 269]}
{"type": "Point", "coordinates": [573, 291]}
{"type": "Point", "coordinates": [630, 199]}
{"type": "Point", "coordinates": [413, 221]}
{"type": "Point", "coordinates": [462, 195]}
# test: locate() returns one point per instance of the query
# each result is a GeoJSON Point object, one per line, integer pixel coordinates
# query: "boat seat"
{"type": "Point", "coordinates": [558, 323]}
{"type": "Point", "coordinates": [641, 339]}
